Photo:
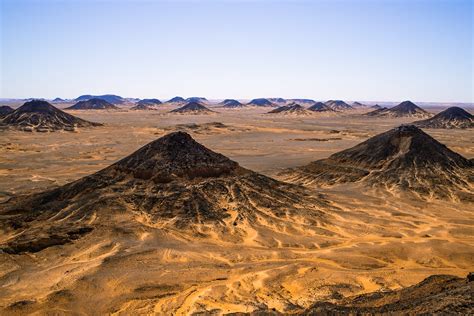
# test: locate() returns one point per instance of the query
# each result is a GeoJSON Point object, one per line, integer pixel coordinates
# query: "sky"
{"type": "Point", "coordinates": [351, 50]}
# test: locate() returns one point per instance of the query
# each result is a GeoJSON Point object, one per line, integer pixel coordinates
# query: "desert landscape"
{"type": "Point", "coordinates": [237, 158]}
{"type": "Point", "coordinates": [196, 232]}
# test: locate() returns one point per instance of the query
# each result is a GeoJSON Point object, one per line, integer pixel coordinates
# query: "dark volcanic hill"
{"type": "Point", "coordinates": [5, 109]}
{"type": "Point", "coordinates": [41, 116]}
{"type": "Point", "coordinates": [302, 101]}
{"type": "Point", "coordinates": [149, 102]}
{"type": "Point", "coordinates": [338, 105]}
{"type": "Point", "coordinates": [58, 100]}
{"type": "Point", "coordinates": [111, 98]}
{"type": "Point", "coordinates": [376, 107]}
{"type": "Point", "coordinates": [231, 103]}
{"type": "Point", "coordinates": [404, 158]}
{"type": "Point", "coordinates": [146, 104]}
{"type": "Point", "coordinates": [197, 99]}
{"type": "Point", "coordinates": [453, 117]}
{"type": "Point", "coordinates": [277, 100]}
{"type": "Point", "coordinates": [260, 102]}
{"type": "Point", "coordinates": [292, 108]}
{"type": "Point", "coordinates": [176, 100]}
{"type": "Point", "coordinates": [174, 182]}
{"type": "Point", "coordinates": [320, 107]}
{"type": "Point", "coordinates": [358, 105]}
{"type": "Point", "coordinates": [93, 104]}
{"type": "Point", "coordinates": [192, 108]}
{"type": "Point", "coordinates": [404, 109]}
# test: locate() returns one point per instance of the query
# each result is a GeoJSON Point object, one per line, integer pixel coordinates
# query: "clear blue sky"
{"type": "Point", "coordinates": [352, 50]}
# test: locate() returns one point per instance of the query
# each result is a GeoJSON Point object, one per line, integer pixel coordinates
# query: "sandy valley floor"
{"type": "Point", "coordinates": [376, 240]}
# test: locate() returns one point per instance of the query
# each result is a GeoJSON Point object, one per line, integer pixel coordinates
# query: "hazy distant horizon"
{"type": "Point", "coordinates": [350, 50]}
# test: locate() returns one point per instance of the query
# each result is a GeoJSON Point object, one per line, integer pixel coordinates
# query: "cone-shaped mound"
{"type": "Point", "coordinates": [149, 102]}
{"type": "Point", "coordinates": [192, 108]}
{"type": "Point", "coordinates": [320, 107]}
{"type": "Point", "coordinates": [260, 102]}
{"type": "Point", "coordinates": [5, 109]}
{"type": "Point", "coordinates": [404, 109]}
{"type": "Point", "coordinates": [338, 105]}
{"type": "Point", "coordinates": [231, 103]}
{"type": "Point", "coordinates": [146, 104]}
{"type": "Point", "coordinates": [172, 182]}
{"type": "Point", "coordinates": [376, 107]}
{"type": "Point", "coordinates": [404, 158]}
{"type": "Point", "coordinates": [93, 104]}
{"type": "Point", "coordinates": [453, 117]}
{"type": "Point", "coordinates": [196, 99]}
{"type": "Point", "coordinates": [358, 105]}
{"type": "Point", "coordinates": [293, 108]}
{"type": "Point", "coordinates": [41, 116]}
{"type": "Point", "coordinates": [176, 100]}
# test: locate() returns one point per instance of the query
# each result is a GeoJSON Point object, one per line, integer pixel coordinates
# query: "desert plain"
{"type": "Point", "coordinates": [366, 240]}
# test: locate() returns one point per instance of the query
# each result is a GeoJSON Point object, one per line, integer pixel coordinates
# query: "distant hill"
{"type": "Point", "coordinates": [292, 108]}
{"type": "Point", "coordinates": [260, 102]}
{"type": "Point", "coordinates": [111, 98]}
{"type": "Point", "coordinates": [453, 117]}
{"type": "Point", "coordinates": [197, 99]}
{"type": "Point", "coordinates": [302, 101]}
{"type": "Point", "coordinates": [358, 105]}
{"type": "Point", "coordinates": [146, 104]}
{"type": "Point", "coordinates": [58, 100]}
{"type": "Point", "coordinates": [176, 100]}
{"type": "Point", "coordinates": [5, 109]}
{"type": "Point", "coordinates": [192, 108]}
{"type": "Point", "coordinates": [93, 104]}
{"type": "Point", "coordinates": [149, 102]}
{"type": "Point", "coordinates": [376, 107]}
{"type": "Point", "coordinates": [277, 100]}
{"type": "Point", "coordinates": [404, 109]}
{"type": "Point", "coordinates": [231, 103]}
{"type": "Point", "coordinates": [320, 107]}
{"type": "Point", "coordinates": [338, 105]}
{"type": "Point", "coordinates": [41, 116]}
